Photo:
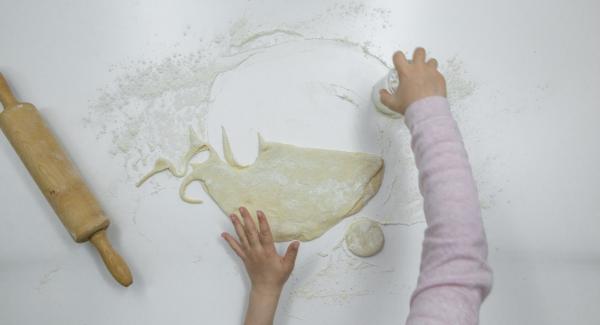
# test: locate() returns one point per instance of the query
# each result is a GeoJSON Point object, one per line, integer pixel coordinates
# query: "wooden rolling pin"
{"type": "Point", "coordinates": [58, 179]}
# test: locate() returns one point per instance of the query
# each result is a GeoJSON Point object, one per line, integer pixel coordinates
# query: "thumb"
{"type": "Point", "coordinates": [387, 99]}
{"type": "Point", "coordinates": [290, 255]}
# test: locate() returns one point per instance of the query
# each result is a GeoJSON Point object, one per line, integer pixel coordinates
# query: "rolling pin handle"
{"type": "Point", "coordinates": [113, 261]}
{"type": "Point", "coordinates": [6, 96]}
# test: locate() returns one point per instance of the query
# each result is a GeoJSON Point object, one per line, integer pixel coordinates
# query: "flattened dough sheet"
{"type": "Point", "coordinates": [303, 191]}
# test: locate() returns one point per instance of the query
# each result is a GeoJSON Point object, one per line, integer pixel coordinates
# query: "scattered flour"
{"type": "Point", "coordinates": [151, 105]}
{"type": "Point", "coordinates": [148, 109]}
{"type": "Point", "coordinates": [339, 277]}
{"type": "Point", "coordinates": [147, 112]}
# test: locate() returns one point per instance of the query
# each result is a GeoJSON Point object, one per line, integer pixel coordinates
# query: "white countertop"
{"type": "Point", "coordinates": [523, 79]}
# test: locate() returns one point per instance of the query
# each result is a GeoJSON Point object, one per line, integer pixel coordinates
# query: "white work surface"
{"type": "Point", "coordinates": [524, 76]}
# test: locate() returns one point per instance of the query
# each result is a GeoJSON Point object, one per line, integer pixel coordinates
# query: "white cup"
{"type": "Point", "coordinates": [390, 83]}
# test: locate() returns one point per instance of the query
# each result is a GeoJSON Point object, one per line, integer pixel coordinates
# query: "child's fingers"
{"type": "Point", "coordinates": [419, 55]}
{"type": "Point", "coordinates": [266, 237]}
{"type": "Point", "coordinates": [400, 62]}
{"type": "Point", "coordinates": [432, 63]}
{"type": "Point", "coordinates": [239, 229]}
{"type": "Point", "coordinates": [250, 227]}
{"type": "Point", "coordinates": [290, 255]}
{"type": "Point", "coordinates": [386, 98]}
{"type": "Point", "coordinates": [234, 245]}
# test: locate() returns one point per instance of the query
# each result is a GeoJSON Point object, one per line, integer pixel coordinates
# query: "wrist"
{"type": "Point", "coordinates": [266, 291]}
{"type": "Point", "coordinates": [262, 306]}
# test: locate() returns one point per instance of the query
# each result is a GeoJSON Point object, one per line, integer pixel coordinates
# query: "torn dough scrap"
{"type": "Point", "coordinates": [364, 238]}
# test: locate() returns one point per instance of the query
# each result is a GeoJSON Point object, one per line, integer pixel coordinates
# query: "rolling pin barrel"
{"type": "Point", "coordinates": [58, 178]}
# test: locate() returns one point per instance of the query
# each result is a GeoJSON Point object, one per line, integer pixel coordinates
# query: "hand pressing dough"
{"type": "Point", "coordinates": [364, 238]}
{"type": "Point", "coordinates": [303, 192]}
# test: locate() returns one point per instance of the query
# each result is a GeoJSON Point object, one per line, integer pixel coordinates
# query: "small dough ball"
{"type": "Point", "coordinates": [364, 238]}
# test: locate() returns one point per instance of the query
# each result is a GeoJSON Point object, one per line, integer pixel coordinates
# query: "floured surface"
{"type": "Point", "coordinates": [146, 112]}
{"type": "Point", "coordinates": [315, 76]}
{"type": "Point", "coordinates": [143, 74]}
{"type": "Point", "coordinates": [303, 191]}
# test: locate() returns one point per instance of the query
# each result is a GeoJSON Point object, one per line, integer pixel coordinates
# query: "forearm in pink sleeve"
{"type": "Point", "coordinates": [454, 277]}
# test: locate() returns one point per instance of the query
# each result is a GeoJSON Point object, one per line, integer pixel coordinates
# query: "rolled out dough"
{"type": "Point", "coordinates": [303, 192]}
{"type": "Point", "coordinates": [364, 238]}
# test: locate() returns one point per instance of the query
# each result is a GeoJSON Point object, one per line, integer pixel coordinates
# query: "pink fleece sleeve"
{"type": "Point", "coordinates": [454, 277]}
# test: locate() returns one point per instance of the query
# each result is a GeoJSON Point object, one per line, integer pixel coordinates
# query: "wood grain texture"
{"type": "Point", "coordinates": [113, 261]}
{"type": "Point", "coordinates": [53, 171]}
{"type": "Point", "coordinates": [58, 178]}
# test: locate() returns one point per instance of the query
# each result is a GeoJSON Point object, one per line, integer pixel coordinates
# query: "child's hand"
{"type": "Point", "coordinates": [418, 79]}
{"type": "Point", "coordinates": [267, 270]}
